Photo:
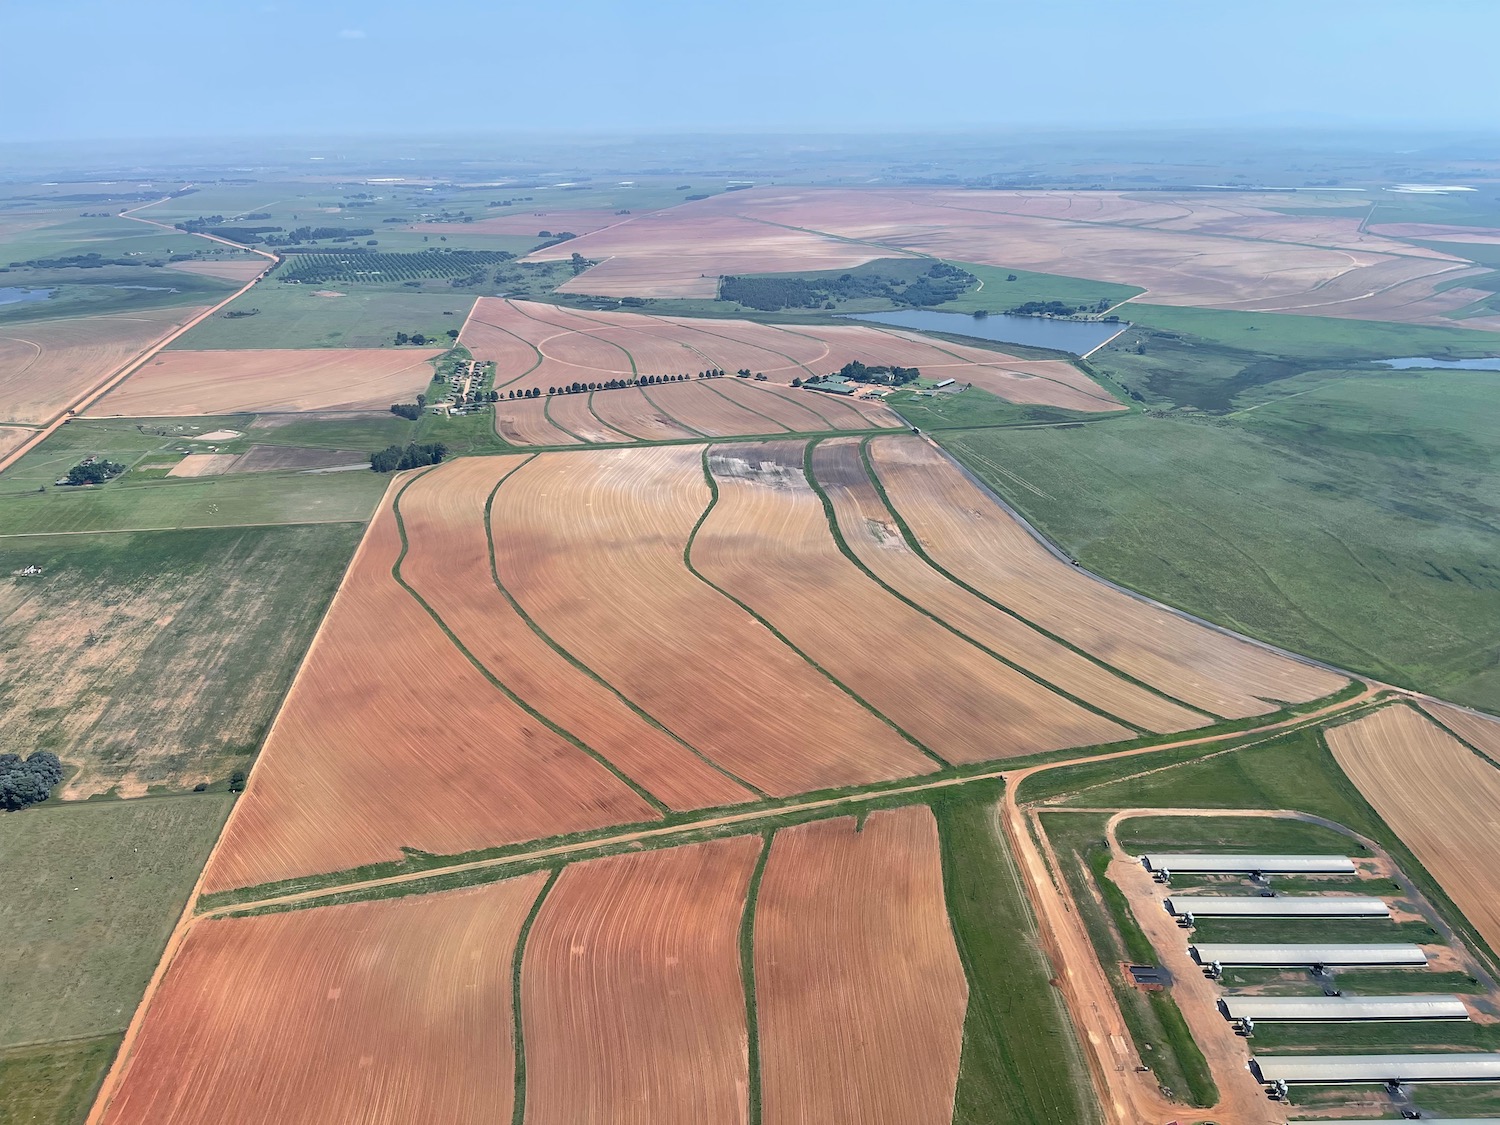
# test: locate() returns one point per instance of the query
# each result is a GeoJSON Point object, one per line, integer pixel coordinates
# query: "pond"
{"type": "Point", "coordinates": [1490, 364]}
{"type": "Point", "coordinates": [12, 295]}
{"type": "Point", "coordinates": [1077, 336]}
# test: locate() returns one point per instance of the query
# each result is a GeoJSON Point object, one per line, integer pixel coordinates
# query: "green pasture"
{"type": "Point", "coordinates": [293, 316]}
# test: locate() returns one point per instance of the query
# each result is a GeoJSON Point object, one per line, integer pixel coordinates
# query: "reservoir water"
{"type": "Point", "coordinates": [1076, 336]}
{"type": "Point", "coordinates": [13, 295]}
{"type": "Point", "coordinates": [1490, 364]}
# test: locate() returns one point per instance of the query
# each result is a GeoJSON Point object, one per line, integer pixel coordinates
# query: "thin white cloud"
{"type": "Point", "coordinates": [351, 33]}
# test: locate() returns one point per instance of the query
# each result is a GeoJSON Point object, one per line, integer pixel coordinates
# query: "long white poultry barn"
{"type": "Point", "coordinates": [1272, 1009]}
{"type": "Point", "coordinates": [1278, 906]}
{"type": "Point", "coordinates": [1291, 955]}
{"type": "Point", "coordinates": [1350, 1069]}
{"type": "Point", "coordinates": [1228, 863]}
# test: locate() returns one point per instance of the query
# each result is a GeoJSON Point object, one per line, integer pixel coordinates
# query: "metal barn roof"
{"type": "Point", "coordinates": [1454, 1067]}
{"type": "Point", "coordinates": [1227, 863]}
{"type": "Point", "coordinates": [1238, 953]}
{"type": "Point", "coordinates": [1279, 906]}
{"type": "Point", "coordinates": [1367, 1120]}
{"type": "Point", "coordinates": [1345, 1008]}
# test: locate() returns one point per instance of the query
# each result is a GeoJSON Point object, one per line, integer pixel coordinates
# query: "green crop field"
{"type": "Point", "coordinates": [52, 1083]}
{"type": "Point", "coordinates": [354, 267]}
{"type": "Point", "coordinates": [92, 890]}
{"type": "Point", "coordinates": [996, 292]}
{"type": "Point", "coordinates": [294, 316]}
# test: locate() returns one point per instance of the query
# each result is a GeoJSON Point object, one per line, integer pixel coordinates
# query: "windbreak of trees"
{"type": "Point", "coordinates": [412, 456]}
{"type": "Point", "coordinates": [28, 781]}
{"type": "Point", "coordinates": [1057, 308]}
{"type": "Point", "coordinates": [884, 373]}
{"type": "Point", "coordinates": [94, 471]}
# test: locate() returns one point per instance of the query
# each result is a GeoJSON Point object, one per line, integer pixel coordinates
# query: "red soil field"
{"type": "Point", "coordinates": [873, 536]}
{"type": "Point", "coordinates": [965, 531]}
{"type": "Point", "coordinates": [448, 563]}
{"type": "Point", "coordinates": [627, 409]}
{"type": "Point", "coordinates": [631, 997]}
{"type": "Point", "coordinates": [178, 382]}
{"type": "Point", "coordinates": [232, 269]}
{"type": "Point", "coordinates": [525, 422]}
{"type": "Point", "coordinates": [591, 543]}
{"type": "Point", "coordinates": [860, 994]}
{"type": "Point", "coordinates": [1480, 731]}
{"type": "Point", "coordinates": [46, 364]}
{"type": "Point", "coordinates": [767, 542]}
{"type": "Point", "coordinates": [352, 772]}
{"type": "Point", "coordinates": [386, 1013]}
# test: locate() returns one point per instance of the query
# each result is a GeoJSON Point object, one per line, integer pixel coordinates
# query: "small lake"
{"type": "Point", "coordinates": [12, 295]}
{"type": "Point", "coordinates": [1491, 364]}
{"type": "Point", "coordinates": [1076, 336]}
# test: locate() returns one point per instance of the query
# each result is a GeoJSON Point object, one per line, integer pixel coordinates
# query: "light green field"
{"type": "Point", "coordinates": [108, 237]}
{"type": "Point", "coordinates": [997, 292]}
{"type": "Point", "coordinates": [292, 316]}
{"type": "Point", "coordinates": [110, 291]}
{"type": "Point", "coordinates": [54, 1083]}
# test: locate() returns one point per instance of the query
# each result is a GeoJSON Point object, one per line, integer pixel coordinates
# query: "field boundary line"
{"type": "Point", "coordinates": [670, 416]}
{"type": "Point", "coordinates": [518, 1027]}
{"type": "Point", "coordinates": [566, 735]}
{"type": "Point", "coordinates": [687, 552]}
{"type": "Point", "coordinates": [578, 663]}
{"type": "Point", "coordinates": [916, 545]}
{"type": "Point", "coordinates": [848, 552]}
{"type": "Point", "coordinates": [547, 414]}
{"type": "Point", "coordinates": [784, 427]}
{"type": "Point", "coordinates": [589, 403]}
{"type": "Point", "coordinates": [747, 980]}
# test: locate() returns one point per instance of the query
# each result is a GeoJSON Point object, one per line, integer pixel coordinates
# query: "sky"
{"type": "Point", "coordinates": [87, 69]}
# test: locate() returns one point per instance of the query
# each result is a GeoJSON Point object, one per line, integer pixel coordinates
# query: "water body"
{"type": "Point", "coordinates": [12, 295]}
{"type": "Point", "coordinates": [1076, 336]}
{"type": "Point", "coordinates": [1490, 364]}
{"type": "Point", "coordinates": [152, 288]}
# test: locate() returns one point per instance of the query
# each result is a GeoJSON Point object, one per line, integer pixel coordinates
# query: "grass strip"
{"type": "Point", "coordinates": [518, 1030]}
{"type": "Point", "coordinates": [687, 559]}
{"type": "Point", "coordinates": [848, 553]}
{"type": "Point", "coordinates": [634, 786]}
{"type": "Point", "coordinates": [916, 545]}
{"type": "Point", "coordinates": [747, 979]}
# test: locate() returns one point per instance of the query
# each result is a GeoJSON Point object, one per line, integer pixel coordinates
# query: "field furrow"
{"type": "Point", "coordinates": [629, 410]}
{"type": "Point", "coordinates": [631, 997]}
{"type": "Point", "coordinates": [572, 413]}
{"type": "Point", "coordinates": [860, 995]}
{"type": "Point", "coordinates": [524, 421]}
{"type": "Point", "coordinates": [1479, 731]}
{"type": "Point", "coordinates": [785, 412]}
{"type": "Point", "coordinates": [699, 405]}
{"type": "Point", "coordinates": [768, 543]}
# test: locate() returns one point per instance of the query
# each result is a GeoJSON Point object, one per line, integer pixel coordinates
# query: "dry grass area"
{"type": "Point", "coordinates": [1222, 251]}
{"type": "Point", "coordinates": [271, 458]}
{"type": "Point", "coordinates": [591, 545]}
{"type": "Point", "coordinates": [1480, 731]}
{"type": "Point", "coordinates": [204, 465]}
{"type": "Point", "coordinates": [13, 437]}
{"type": "Point", "coordinates": [631, 995]}
{"type": "Point", "coordinates": [352, 771]}
{"type": "Point", "coordinates": [380, 1012]}
{"type": "Point", "coordinates": [46, 364]}
{"type": "Point", "coordinates": [1438, 796]}
{"type": "Point", "coordinates": [182, 383]}
{"type": "Point", "coordinates": [768, 543]}
{"type": "Point", "coordinates": [230, 269]}
{"type": "Point", "coordinates": [544, 346]}
{"type": "Point", "coordinates": [859, 989]}
{"type": "Point", "coordinates": [970, 535]}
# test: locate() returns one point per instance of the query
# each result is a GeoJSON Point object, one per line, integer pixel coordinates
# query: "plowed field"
{"type": "Point", "coordinates": [525, 422]}
{"type": "Point", "coordinates": [391, 738]}
{"type": "Point", "coordinates": [179, 383]}
{"type": "Point", "coordinates": [46, 364]}
{"type": "Point", "coordinates": [629, 410]}
{"type": "Point", "coordinates": [963, 530]}
{"type": "Point", "coordinates": [1478, 731]}
{"type": "Point", "coordinates": [1438, 796]}
{"type": "Point", "coordinates": [631, 996]}
{"type": "Point", "coordinates": [860, 994]}
{"type": "Point", "coordinates": [386, 1012]}
{"type": "Point", "coordinates": [768, 543]}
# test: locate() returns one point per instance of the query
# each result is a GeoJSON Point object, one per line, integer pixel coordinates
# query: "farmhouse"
{"type": "Point", "coordinates": [1300, 1008]}
{"type": "Point", "coordinates": [1234, 953]}
{"type": "Point", "coordinates": [1226, 863]}
{"type": "Point", "coordinates": [1340, 1069]}
{"type": "Point", "coordinates": [1277, 906]}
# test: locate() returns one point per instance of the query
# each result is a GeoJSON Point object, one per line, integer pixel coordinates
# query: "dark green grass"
{"type": "Point", "coordinates": [1021, 1061]}
{"type": "Point", "coordinates": [1153, 1018]}
{"type": "Point", "coordinates": [1458, 1099]}
{"type": "Point", "coordinates": [1355, 523]}
{"type": "Point", "coordinates": [92, 891]}
{"type": "Point", "coordinates": [973, 408]}
{"type": "Point", "coordinates": [1378, 1037]}
{"type": "Point", "coordinates": [99, 292]}
{"type": "Point", "coordinates": [293, 316]}
{"type": "Point", "coordinates": [1233, 834]}
{"type": "Point", "coordinates": [999, 293]}
{"type": "Point", "coordinates": [369, 432]}
{"type": "Point", "coordinates": [53, 1083]}
{"type": "Point", "coordinates": [1355, 982]}
{"type": "Point", "coordinates": [1310, 931]}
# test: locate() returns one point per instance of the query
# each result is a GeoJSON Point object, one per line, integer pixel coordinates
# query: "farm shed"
{"type": "Point", "coordinates": [831, 384]}
{"type": "Point", "coordinates": [1235, 953]}
{"type": "Point", "coordinates": [1226, 863]}
{"type": "Point", "coordinates": [1275, 1008]}
{"type": "Point", "coordinates": [1278, 906]}
{"type": "Point", "coordinates": [1338, 1069]}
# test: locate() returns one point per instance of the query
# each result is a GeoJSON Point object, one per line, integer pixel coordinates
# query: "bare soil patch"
{"type": "Point", "coordinates": [204, 465]}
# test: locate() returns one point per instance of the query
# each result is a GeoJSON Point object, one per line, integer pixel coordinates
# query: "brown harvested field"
{"type": "Point", "coordinates": [590, 544]}
{"type": "Point", "coordinates": [230, 269]}
{"type": "Point", "coordinates": [525, 422]}
{"type": "Point", "coordinates": [1439, 232]}
{"type": "Point", "coordinates": [179, 383]}
{"type": "Point", "coordinates": [382, 1012]}
{"type": "Point", "coordinates": [779, 411]}
{"type": "Point", "coordinates": [351, 772]}
{"type": "Point", "coordinates": [702, 406]}
{"type": "Point", "coordinates": [631, 997]}
{"type": "Point", "coordinates": [873, 536]}
{"type": "Point", "coordinates": [628, 410]}
{"type": "Point", "coordinates": [599, 346]}
{"type": "Point", "coordinates": [1480, 731]}
{"type": "Point", "coordinates": [204, 465]}
{"type": "Point", "coordinates": [768, 543]}
{"type": "Point", "coordinates": [46, 364]}
{"type": "Point", "coordinates": [571, 414]}
{"type": "Point", "coordinates": [270, 458]}
{"type": "Point", "coordinates": [965, 531]}
{"type": "Point", "coordinates": [13, 437]}
{"type": "Point", "coordinates": [1438, 796]}
{"type": "Point", "coordinates": [448, 563]}
{"type": "Point", "coordinates": [528, 222]}
{"type": "Point", "coordinates": [859, 991]}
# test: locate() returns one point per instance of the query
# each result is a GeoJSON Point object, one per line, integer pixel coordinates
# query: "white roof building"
{"type": "Point", "coordinates": [1237, 953]}
{"type": "Point", "coordinates": [1278, 906]}
{"type": "Point", "coordinates": [1278, 1008]}
{"type": "Point", "coordinates": [1226, 863]}
{"type": "Point", "coordinates": [1341, 1069]}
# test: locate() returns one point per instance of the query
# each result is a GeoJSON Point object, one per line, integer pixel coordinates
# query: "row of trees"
{"type": "Point", "coordinates": [411, 456]}
{"type": "Point", "coordinates": [95, 470]}
{"type": "Point", "coordinates": [620, 384]}
{"type": "Point", "coordinates": [28, 781]}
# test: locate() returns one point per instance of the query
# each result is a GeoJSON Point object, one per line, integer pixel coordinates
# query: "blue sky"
{"type": "Point", "coordinates": [168, 68]}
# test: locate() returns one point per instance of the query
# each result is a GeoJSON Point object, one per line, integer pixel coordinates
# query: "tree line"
{"type": "Point", "coordinates": [28, 781]}
{"type": "Point", "coordinates": [938, 284]}
{"type": "Point", "coordinates": [410, 456]}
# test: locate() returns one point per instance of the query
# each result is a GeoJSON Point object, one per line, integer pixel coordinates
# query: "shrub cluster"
{"type": "Point", "coordinates": [412, 456]}
{"type": "Point", "coordinates": [29, 781]}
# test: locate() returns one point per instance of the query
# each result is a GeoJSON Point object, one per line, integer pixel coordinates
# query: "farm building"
{"type": "Point", "coordinates": [1299, 1008]}
{"type": "Point", "coordinates": [831, 384]}
{"type": "Point", "coordinates": [1278, 906]}
{"type": "Point", "coordinates": [1234, 953]}
{"type": "Point", "coordinates": [1226, 863]}
{"type": "Point", "coordinates": [1340, 1069]}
